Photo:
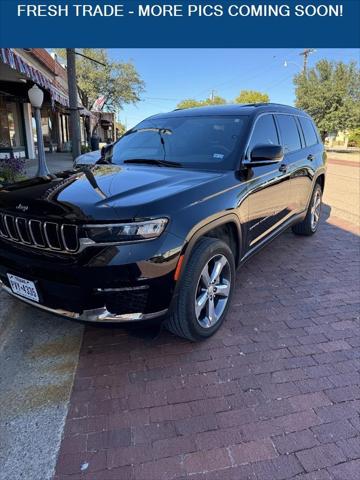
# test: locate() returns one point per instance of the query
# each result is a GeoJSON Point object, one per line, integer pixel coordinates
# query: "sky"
{"type": "Point", "coordinates": [171, 75]}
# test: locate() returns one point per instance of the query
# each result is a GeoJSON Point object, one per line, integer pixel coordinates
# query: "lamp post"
{"type": "Point", "coordinates": [286, 64]}
{"type": "Point", "coordinates": [36, 97]}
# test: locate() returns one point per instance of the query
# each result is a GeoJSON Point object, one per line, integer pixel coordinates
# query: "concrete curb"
{"type": "Point", "coordinates": [7, 317]}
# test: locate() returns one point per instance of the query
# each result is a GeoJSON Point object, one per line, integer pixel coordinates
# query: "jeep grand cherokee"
{"type": "Point", "coordinates": [159, 224]}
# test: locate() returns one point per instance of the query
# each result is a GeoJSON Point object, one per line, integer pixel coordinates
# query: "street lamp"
{"type": "Point", "coordinates": [286, 64]}
{"type": "Point", "coordinates": [36, 97]}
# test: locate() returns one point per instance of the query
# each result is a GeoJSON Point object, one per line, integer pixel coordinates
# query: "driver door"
{"type": "Point", "coordinates": [268, 187]}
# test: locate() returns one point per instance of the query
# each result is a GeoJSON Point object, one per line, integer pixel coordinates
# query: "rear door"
{"type": "Point", "coordinates": [301, 179]}
{"type": "Point", "coordinates": [292, 142]}
{"type": "Point", "coordinates": [268, 186]}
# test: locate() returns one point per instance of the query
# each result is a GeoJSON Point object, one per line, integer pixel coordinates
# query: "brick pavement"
{"type": "Point", "coordinates": [274, 395]}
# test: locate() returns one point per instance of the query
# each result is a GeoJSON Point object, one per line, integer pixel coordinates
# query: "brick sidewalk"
{"type": "Point", "coordinates": [274, 395]}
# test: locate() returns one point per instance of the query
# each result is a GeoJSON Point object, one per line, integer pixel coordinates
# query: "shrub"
{"type": "Point", "coordinates": [85, 149]}
{"type": "Point", "coordinates": [354, 138]}
{"type": "Point", "coordinates": [11, 170]}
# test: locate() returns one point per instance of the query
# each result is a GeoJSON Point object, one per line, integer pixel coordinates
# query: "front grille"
{"type": "Point", "coordinates": [38, 234]}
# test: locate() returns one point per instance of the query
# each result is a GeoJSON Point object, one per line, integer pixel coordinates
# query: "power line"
{"type": "Point", "coordinates": [89, 58]}
{"type": "Point", "coordinates": [255, 72]}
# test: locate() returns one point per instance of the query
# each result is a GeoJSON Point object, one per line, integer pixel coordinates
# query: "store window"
{"type": "Point", "coordinates": [11, 132]}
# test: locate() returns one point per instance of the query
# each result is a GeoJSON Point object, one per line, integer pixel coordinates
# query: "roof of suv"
{"type": "Point", "coordinates": [236, 109]}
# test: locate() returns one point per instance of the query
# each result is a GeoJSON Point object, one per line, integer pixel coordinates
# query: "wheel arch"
{"type": "Point", "coordinates": [320, 179]}
{"type": "Point", "coordinates": [226, 228]}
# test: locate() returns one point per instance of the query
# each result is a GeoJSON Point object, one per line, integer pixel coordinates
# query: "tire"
{"type": "Point", "coordinates": [311, 222]}
{"type": "Point", "coordinates": [185, 320]}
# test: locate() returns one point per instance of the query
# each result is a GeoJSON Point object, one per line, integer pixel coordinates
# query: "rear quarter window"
{"type": "Point", "coordinates": [309, 131]}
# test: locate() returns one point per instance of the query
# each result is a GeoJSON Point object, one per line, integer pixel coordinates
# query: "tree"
{"type": "Point", "coordinates": [120, 129]}
{"type": "Point", "coordinates": [119, 83]}
{"type": "Point", "coordinates": [252, 96]}
{"type": "Point", "coordinates": [215, 100]}
{"type": "Point", "coordinates": [191, 102]}
{"type": "Point", "coordinates": [330, 93]}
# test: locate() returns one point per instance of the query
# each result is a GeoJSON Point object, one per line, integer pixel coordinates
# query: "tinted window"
{"type": "Point", "coordinates": [198, 142]}
{"type": "Point", "coordinates": [309, 131]}
{"type": "Point", "coordinates": [264, 132]}
{"type": "Point", "coordinates": [289, 133]}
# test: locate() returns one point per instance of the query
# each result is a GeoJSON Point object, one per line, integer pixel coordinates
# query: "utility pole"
{"type": "Point", "coordinates": [73, 103]}
{"type": "Point", "coordinates": [305, 54]}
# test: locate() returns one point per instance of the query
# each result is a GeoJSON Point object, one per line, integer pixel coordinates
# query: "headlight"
{"type": "Point", "coordinates": [124, 232]}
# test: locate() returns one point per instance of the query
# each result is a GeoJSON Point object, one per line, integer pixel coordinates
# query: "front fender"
{"type": "Point", "coordinates": [199, 231]}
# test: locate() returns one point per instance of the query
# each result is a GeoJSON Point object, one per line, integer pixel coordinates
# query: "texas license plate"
{"type": "Point", "coordinates": [23, 287]}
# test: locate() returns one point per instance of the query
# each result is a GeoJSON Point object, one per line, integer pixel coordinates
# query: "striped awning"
{"type": "Point", "coordinates": [9, 57]}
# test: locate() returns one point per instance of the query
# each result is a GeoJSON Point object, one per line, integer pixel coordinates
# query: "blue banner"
{"type": "Point", "coordinates": [206, 23]}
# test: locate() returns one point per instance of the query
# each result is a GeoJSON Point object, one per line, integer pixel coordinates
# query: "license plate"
{"type": "Point", "coordinates": [23, 287]}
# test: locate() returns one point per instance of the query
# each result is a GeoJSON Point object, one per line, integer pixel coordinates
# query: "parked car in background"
{"type": "Point", "coordinates": [158, 226]}
{"type": "Point", "coordinates": [88, 158]}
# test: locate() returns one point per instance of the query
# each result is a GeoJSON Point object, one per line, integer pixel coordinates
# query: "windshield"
{"type": "Point", "coordinates": [193, 142]}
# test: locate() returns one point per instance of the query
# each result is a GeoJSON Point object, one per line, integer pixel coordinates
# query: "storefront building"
{"type": "Point", "coordinates": [104, 125]}
{"type": "Point", "coordinates": [19, 70]}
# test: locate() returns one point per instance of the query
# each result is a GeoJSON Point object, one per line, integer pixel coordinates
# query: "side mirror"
{"type": "Point", "coordinates": [262, 155]}
{"type": "Point", "coordinates": [104, 157]}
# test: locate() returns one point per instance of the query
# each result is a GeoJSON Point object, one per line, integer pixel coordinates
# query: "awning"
{"type": "Point", "coordinates": [15, 62]}
{"type": "Point", "coordinates": [85, 112]}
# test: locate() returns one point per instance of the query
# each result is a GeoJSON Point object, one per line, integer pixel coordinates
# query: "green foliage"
{"type": "Point", "coordinates": [120, 129]}
{"type": "Point", "coordinates": [118, 82]}
{"type": "Point", "coordinates": [252, 96]}
{"type": "Point", "coordinates": [11, 170]}
{"type": "Point", "coordinates": [354, 138]}
{"type": "Point", "coordinates": [85, 149]}
{"type": "Point", "coordinates": [330, 93]}
{"type": "Point", "coordinates": [191, 102]}
{"type": "Point", "coordinates": [246, 96]}
{"type": "Point", "coordinates": [216, 100]}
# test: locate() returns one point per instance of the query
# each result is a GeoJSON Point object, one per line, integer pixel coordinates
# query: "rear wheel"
{"type": "Point", "coordinates": [205, 291]}
{"type": "Point", "coordinates": [311, 222]}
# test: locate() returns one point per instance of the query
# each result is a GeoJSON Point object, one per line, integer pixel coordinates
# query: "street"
{"type": "Point", "coordinates": [274, 395]}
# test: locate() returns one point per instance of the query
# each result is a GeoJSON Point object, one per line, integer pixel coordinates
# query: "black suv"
{"type": "Point", "coordinates": [158, 226]}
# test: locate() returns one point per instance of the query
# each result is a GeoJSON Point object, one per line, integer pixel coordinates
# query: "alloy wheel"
{"type": "Point", "coordinates": [315, 210]}
{"type": "Point", "coordinates": [213, 291]}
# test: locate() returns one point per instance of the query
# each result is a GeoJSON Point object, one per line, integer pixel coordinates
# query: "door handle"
{"type": "Point", "coordinates": [310, 157]}
{"type": "Point", "coordinates": [283, 168]}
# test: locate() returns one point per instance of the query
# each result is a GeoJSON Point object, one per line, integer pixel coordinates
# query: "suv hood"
{"type": "Point", "coordinates": [105, 192]}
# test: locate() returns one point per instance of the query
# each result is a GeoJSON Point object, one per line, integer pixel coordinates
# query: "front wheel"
{"type": "Point", "coordinates": [205, 291]}
{"type": "Point", "coordinates": [311, 222]}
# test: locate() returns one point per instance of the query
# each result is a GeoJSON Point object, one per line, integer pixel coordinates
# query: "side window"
{"type": "Point", "coordinates": [309, 131]}
{"type": "Point", "coordinates": [289, 133]}
{"type": "Point", "coordinates": [264, 132]}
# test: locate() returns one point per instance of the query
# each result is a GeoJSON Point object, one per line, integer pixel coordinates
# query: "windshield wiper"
{"type": "Point", "coordinates": [165, 131]}
{"type": "Point", "coordinates": [153, 161]}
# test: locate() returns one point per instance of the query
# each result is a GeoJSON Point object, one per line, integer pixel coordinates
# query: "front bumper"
{"type": "Point", "coordinates": [95, 315]}
{"type": "Point", "coordinates": [102, 284]}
